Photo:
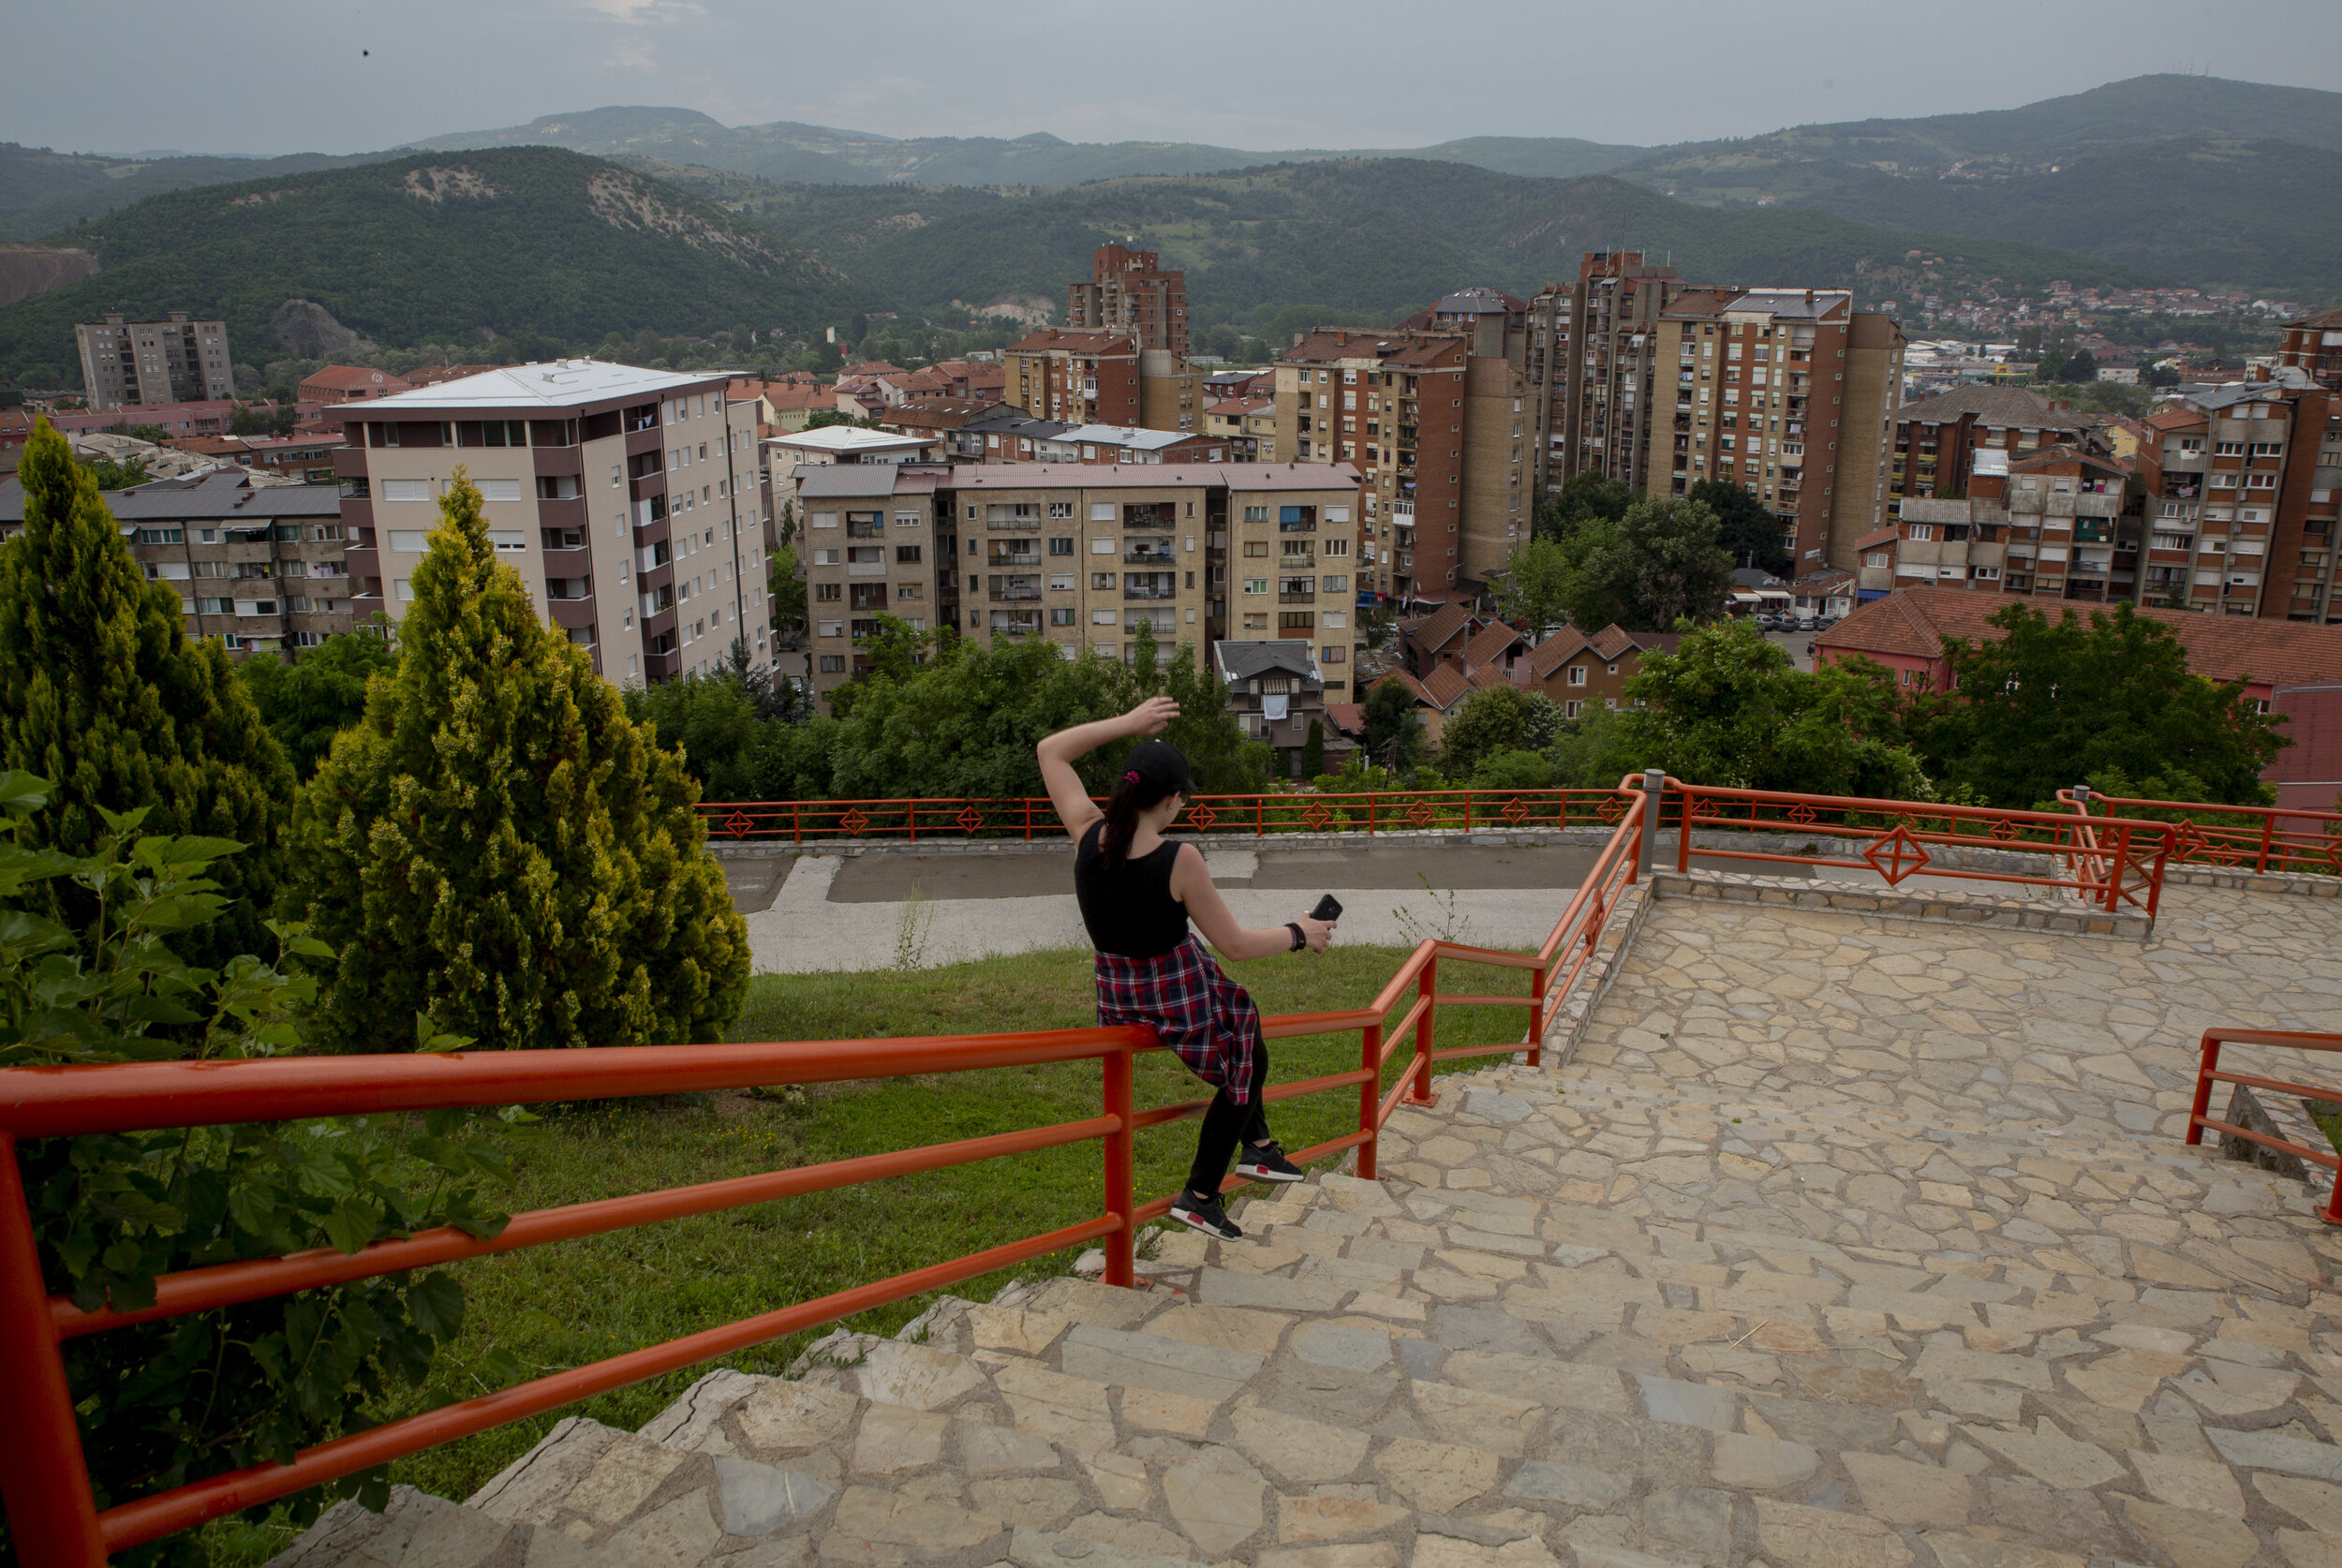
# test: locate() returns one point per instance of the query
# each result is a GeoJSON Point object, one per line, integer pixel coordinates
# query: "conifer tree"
{"type": "Point", "coordinates": [103, 692]}
{"type": "Point", "coordinates": [497, 846]}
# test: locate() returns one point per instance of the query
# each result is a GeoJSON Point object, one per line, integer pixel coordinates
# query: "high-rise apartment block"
{"type": "Point", "coordinates": [1081, 554]}
{"type": "Point", "coordinates": [626, 499]}
{"type": "Point", "coordinates": [1642, 377]}
{"type": "Point", "coordinates": [1433, 420]}
{"type": "Point", "coordinates": [176, 360]}
{"type": "Point", "coordinates": [2243, 514]}
{"type": "Point", "coordinates": [1128, 291]}
{"type": "Point", "coordinates": [1103, 378]}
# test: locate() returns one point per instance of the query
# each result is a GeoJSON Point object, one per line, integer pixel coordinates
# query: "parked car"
{"type": "Point", "coordinates": [1805, 623]}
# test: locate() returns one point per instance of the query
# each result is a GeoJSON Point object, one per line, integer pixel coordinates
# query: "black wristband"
{"type": "Point", "coordinates": [1300, 938]}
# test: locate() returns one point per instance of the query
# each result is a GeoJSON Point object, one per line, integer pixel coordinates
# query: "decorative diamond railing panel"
{"type": "Point", "coordinates": [1897, 855]}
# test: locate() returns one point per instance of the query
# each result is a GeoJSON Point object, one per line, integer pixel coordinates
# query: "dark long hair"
{"type": "Point", "coordinates": [1133, 795]}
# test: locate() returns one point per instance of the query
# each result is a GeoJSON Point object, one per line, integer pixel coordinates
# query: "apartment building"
{"type": "Point", "coordinates": [2313, 346]}
{"type": "Point", "coordinates": [626, 499]}
{"type": "Point", "coordinates": [178, 360]}
{"type": "Point", "coordinates": [1170, 392]}
{"type": "Point", "coordinates": [1937, 439]}
{"type": "Point", "coordinates": [786, 457]}
{"type": "Point", "coordinates": [1082, 555]}
{"type": "Point", "coordinates": [1006, 435]}
{"type": "Point", "coordinates": [1294, 568]}
{"type": "Point", "coordinates": [1659, 383]}
{"type": "Point", "coordinates": [1128, 291]}
{"type": "Point", "coordinates": [1079, 378]}
{"type": "Point", "coordinates": [2063, 522]}
{"type": "Point", "coordinates": [1247, 425]}
{"type": "Point", "coordinates": [2243, 514]}
{"type": "Point", "coordinates": [876, 539]}
{"type": "Point", "coordinates": [1398, 406]}
{"type": "Point", "coordinates": [260, 567]}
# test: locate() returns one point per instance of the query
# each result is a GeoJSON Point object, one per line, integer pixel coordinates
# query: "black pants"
{"type": "Point", "coordinates": [1224, 1123]}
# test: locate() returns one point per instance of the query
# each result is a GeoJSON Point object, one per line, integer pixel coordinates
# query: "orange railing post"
{"type": "Point", "coordinates": [1118, 1147]}
{"type": "Point", "coordinates": [2208, 1064]}
{"type": "Point", "coordinates": [1536, 1015]}
{"type": "Point", "coordinates": [1370, 1097]}
{"type": "Point", "coordinates": [1427, 988]}
{"type": "Point", "coordinates": [53, 1517]}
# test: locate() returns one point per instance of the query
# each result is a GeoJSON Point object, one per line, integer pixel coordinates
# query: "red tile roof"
{"type": "Point", "coordinates": [1435, 630]}
{"type": "Point", "coordinates": [1445, 687]}
{"type": "Point", "coordinates": [1871, 541]}
{"type": "Point", "coordinates": [1489, 643]}
{"type": "Point", "coordinates": [1912, 622]}
{"type": "Point", "coordinates": [1072, 342]}
{"type": "Point", "coordinates": [1347, 717]}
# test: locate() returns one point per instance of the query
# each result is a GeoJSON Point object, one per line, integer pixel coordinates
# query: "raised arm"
{"type": "Point", "coordinates": [1192, 886]}
{"type": "Point", "coordinates": [1074, 807]}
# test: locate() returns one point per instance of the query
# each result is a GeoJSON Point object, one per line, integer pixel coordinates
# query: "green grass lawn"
{"type": "Point", "coordinates": [564, 1305]}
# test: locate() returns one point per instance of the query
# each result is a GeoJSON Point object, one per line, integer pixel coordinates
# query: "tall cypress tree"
{"type": "Point", "coordinates": [103, 693]}
{"type": "Point", "coordinates": [496, 845]}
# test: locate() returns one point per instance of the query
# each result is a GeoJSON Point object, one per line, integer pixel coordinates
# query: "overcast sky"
{"type": "Point", "coordinates": [243, 76]}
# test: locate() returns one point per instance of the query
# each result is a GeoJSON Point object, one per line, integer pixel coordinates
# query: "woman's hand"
{"type": "Point", "coordinates": [1151, 716]}
{"type": "Point", "coordinates": [1318, 932]}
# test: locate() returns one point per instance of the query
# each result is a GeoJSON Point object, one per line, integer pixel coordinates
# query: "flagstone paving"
{"type": "Point", "coordinates": [1843, 1241]}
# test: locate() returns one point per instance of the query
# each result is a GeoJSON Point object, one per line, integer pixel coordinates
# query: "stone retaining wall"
{"type": "Point", "coordinates": [2030, 914]}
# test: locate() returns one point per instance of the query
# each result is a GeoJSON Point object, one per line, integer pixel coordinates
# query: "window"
{"type": "Point", "coordinates": [1061, 546]}
{"type": "Point", "coordinates": [1577, 674]}
{"type": "Point", "coordinates": [159, 536]}
{"type": "Point", "coordinates": [1919, 533]}
{"type": "Point", "coordinates": [1062, 582]}
{"type": "Point", "coordinates": [1060, 509]}
{"type": "Point", "coordinates": [1256, 547]}
{"type": "Point", "coordinates": [907, 555]}
{"type": "Point", "coordinates": [833, 664]}
{"type": "Point", "coordinates": [1297, 620]}
{"type": "Point", "coordinates": [1256, 585]}
{"type": "Point", "coordinates": [405, 489]}
{"type": "Point", "coordinates": [905, 590]}
{"type": "Point", "coordinates": [1333, 653]}
{"type": "Point", "coordinates": [401, 590]}
{"type": "Point", "coordinates": [1102, 547]}
{"type": "Point", "coordinates": [829, 593]}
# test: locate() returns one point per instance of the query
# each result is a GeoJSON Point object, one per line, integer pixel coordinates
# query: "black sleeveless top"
{"type": "Point", "coordinates": [1129, 909]}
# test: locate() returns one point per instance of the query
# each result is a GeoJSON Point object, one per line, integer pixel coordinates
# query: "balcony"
{"type": "Point", "coordinates": [1144, 553]}
{"type": "Point", "coordinates": [1001, 561]}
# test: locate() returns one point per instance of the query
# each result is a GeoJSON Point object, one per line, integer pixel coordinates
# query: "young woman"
{"type": "Point", "coordinates": [1138, 893]}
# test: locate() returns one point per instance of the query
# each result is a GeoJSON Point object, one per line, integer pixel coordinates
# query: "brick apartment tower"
{"type": "Point", "coordinates": [1128, 291]}
{"type": "Point", "coordinates": [1636, 374]}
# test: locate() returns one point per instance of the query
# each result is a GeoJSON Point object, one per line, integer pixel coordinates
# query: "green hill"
{"type": "Point", "coordinates": [1376, 239]}
{"type": "Point", "coordinates": [789, 150]}
{"type": "Point", "coordinates": [41, 190]}
{"type": "Point", "coordinates": [2260, 217]}
{"type": "Point", "coordinates": [2208, 182]}
{"type": "Point", "coordinates": [432, 248]}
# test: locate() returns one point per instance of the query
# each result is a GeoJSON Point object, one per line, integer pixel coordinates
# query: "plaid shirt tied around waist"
{"type": "Point", "coordinates": [1198, 1012]}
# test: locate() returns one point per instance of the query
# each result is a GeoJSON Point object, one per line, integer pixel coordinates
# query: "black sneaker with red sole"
{"type": "Point", "coordinates": [1266, 1163]}
{"type": "Point", "coordinates": [1206, 1215]}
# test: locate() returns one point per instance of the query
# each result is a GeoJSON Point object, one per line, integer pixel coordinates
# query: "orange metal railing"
{"type": "Point", "coordinates": [2110, 864]}
{"type": "Point", "coordinates": [2209, 1071]}
{"type": "Point", "coordinates": [801, 821]}
{"type": "Point", "coordinates": [2239, 837]}
{"type": "Point", "coordinates": [53, 1517]}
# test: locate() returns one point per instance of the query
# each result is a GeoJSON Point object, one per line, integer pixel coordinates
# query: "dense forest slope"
{"type": "Point", "coordinates": [437, 248]}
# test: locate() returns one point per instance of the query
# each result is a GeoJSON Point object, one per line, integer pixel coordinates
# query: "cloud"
{"type": "Point", "coordinates": [640, 13]}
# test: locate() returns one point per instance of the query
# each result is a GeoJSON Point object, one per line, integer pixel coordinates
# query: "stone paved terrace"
{"type": "Point", "coordinates": [1846, 1241]}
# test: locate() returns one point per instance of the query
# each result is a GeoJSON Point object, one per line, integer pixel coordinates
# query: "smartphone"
{"type": "Point", "coordinates": [1329, 908]}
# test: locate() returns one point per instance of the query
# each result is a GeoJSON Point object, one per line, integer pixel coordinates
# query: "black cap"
{"type": "Point", "coordinates": [1160, 767]}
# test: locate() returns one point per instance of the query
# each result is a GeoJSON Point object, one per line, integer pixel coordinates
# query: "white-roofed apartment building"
{"type": "Point", "coordinates": [626, 499]}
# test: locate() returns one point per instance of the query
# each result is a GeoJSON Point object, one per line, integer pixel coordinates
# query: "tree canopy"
{"type": "Point", "coordinates": [102, 692]}
{"type": "Point", "coordinates": [1583, 497]}
{"type": "Point", "coordinates": [1744, 526]}
{"type": "Point", "coordinates": [322, 693]}
{"type": "Point", "coordinates": [498, 848]}
{"type": "Point", "coordinates": [1655, 564]}
{"type": "Point", "coordinates": [2048, 703]}
{"type": "Point", "coordinates": [1533, 590]}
